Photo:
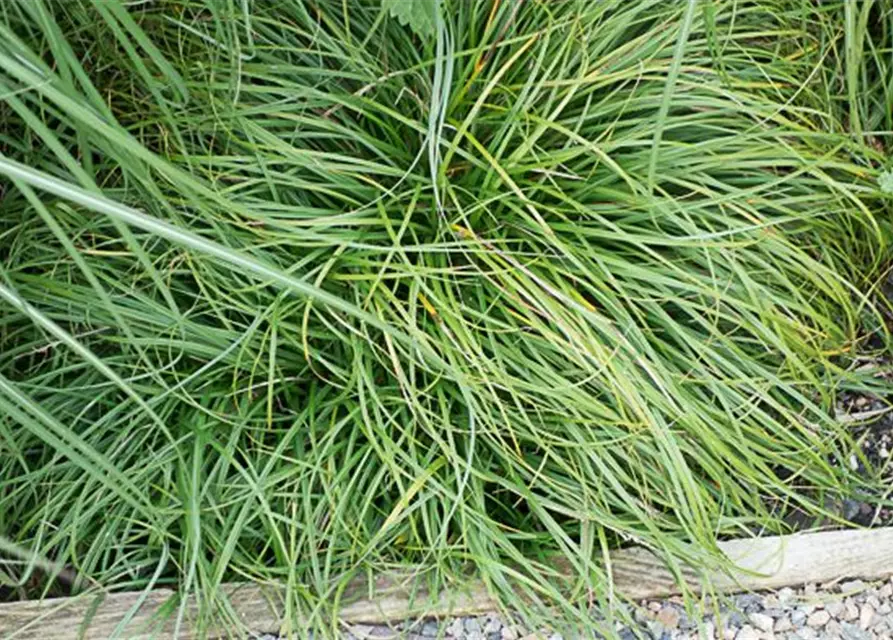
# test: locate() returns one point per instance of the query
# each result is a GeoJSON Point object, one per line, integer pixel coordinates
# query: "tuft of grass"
{"type": "Point", "coordinates": [293, 294]}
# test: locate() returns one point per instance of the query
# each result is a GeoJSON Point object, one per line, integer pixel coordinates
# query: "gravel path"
{"type": "Point", "coordinates": [849, 610]}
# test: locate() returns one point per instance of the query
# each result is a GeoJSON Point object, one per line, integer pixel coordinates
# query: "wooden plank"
{"type": "Point", "coordinates": [765, 563]}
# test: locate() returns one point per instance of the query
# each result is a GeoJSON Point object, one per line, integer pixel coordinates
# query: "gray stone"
{"type": "Point", "coordinates": [852, 586]}
{"type": "Point", "coordinates": [866, 616]}
{"type": "Point", "coordinates": [686, 623]}
{"type": "Point", "coordinates": [798, 617]}
{"type": "Point", "coordinates": [818, 619]}
{"type": "Point", "coordinates": [783, 624]}
{"type": "Point", "coordinates": [736, 619]}
{"type": "Point", "coordinates": [749, 602]}
{"type": "Point", "coordinates": [509, 633]}
{"type": "Point", "coordinates": [786, 596]}
{"type": "Point", "coordinates": [456, 628]}
{"type": "Point", "coordinates": [852, 632]}
{"type": "Point", "coordinates": [835, 608]}
{"type": "Point", "coordinates": [807, 633]}
{"type": "Point", "coordinates": [473, 625]}
{"type": "Point", "coordinates": [850, 610]}
{"type": "Point", "coordinates": [494, 625]}
{"type": "Point", "coordinates": [747, 632]}
{"type": "Point", "coordinates": [761, 621]}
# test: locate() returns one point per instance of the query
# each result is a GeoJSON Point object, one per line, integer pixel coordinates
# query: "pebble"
{"type": "Point", "coordinates": [473, 625]}
{"type": "Point", "coordinates": [835, 608]}
{"type": "Point", "coordinates": [852, 586]}
{"type": "Point", "coordinates": [811, 612]}
{"type": "Point", "coordinates": [866, 615]}
{"type": "Point", "coordinates": [783, 624]}
{"type": "Point", "coordinates": [747, 632]}
{"type": "Point", "coordinates": [818, 619]}
{"type": "Point", "coordinates": [761, 621]}
{"type": "Point", "coordinates": [833, 629]}
{"type": "Point", "coordinates": [668, 616]}
{"type": "Point", "coordinates": [456, 628]}
{"type": "Point", "coordinates": [852, 632]}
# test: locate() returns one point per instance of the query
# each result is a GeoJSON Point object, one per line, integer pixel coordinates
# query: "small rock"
{"type": "Point", "coordinates": [807, 633]}
{"type": "Point", "coordinates": [798, 617]}
{"type": "Point", "coordinates": [736, 619]}
{"type": "Point", "coordinates": [686, 623]}
{"type": "Point", "coordinates": [785, 596]}
{"type": "Point", "coordinates": [809, 590]}
{"type": "Point", "coordinates": [873, 601]}
{"type": "Point", "coordinates": [494, 625]}
{"type": "Point", "coordinates": [456, 628]}
{"type": "Point", "coordinates": [885, 608]}
{"type": "Point", "coordinates": [770, 601]}
{"type": "Point", "coordinates": [852, 632]}
{"type": "Point", "coordinates": [430, 629]}
{"type": "Point", "coordinates": [833, 629]}
{"type": "Point", "coordinates": [866, 616]}
{"type": "Point", "coordinates": [852, 586]}
{"type": "Point", "coordinates": [850, 610]}
{"type": "Point", "coordinates": [835, 608]}
{"type": "Point", "coordinates": [783, 624]}
{"type": "Point", "coordinates": [472, 625]}
{"type": "Point", "coordinates": [761, 621]}
{"type": "Point", "coordinates": [668, 616]}
{"type": "Point", "coordinates": [749, 602]}
{"type": "Point", "coordinates": [509, 633]}
{"type": "Point", "coordinates": [818, 619]}
{"type": "Point", "coordinates": [654, 606]}
{"type": "Point", "coordinates": [886, 591]}
{"type": "Point", "coordinates": [747, 632]}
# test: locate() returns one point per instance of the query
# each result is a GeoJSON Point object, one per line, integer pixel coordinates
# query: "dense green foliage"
{"type": "Point", "coordinates": [292, 293]}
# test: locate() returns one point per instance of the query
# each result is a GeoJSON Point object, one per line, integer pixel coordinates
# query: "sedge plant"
{"type": "Point", "coordinates": [294, 294]}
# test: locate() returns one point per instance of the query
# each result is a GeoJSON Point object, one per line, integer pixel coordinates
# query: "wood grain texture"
{"type": "Point", "coordinates": [764, 563]}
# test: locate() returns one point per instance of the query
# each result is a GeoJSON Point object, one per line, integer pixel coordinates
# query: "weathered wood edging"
{"type": "Point", "coordinates": [765, 563]}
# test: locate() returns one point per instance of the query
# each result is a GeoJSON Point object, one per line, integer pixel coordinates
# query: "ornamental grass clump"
{"type": "Point", "coordinates": [294, 292]}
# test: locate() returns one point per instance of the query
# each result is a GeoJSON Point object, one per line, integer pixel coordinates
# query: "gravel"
{"type": "Point", "coordinates": [849, 610]}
